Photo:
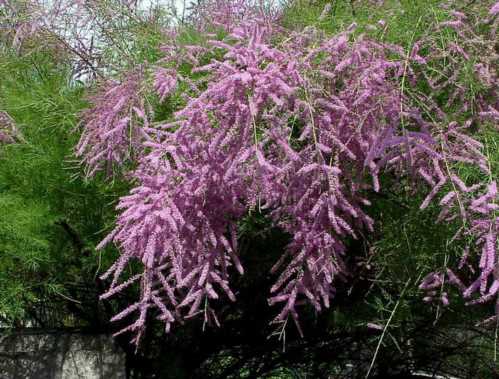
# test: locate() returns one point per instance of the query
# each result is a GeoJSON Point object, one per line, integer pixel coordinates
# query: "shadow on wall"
{"type": "Point", "coordinates": [54, 355]}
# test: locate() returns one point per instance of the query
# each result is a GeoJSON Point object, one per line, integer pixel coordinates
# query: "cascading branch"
{"type": "Point", "coordinates": [303, 129]}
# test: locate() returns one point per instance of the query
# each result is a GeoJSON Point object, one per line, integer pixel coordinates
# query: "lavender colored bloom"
{"type": "Point", "coordinates": [165, 82]}
{"type": "Point", "coordinates": [114, 128]}
{"type": "Point", "coordinates": [494, 11]}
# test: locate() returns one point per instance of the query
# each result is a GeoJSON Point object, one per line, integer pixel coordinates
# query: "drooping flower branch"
{"type": "Point", "coordinates": [114, 128]}
{"type": "Point", "coordinates": [165, 81]}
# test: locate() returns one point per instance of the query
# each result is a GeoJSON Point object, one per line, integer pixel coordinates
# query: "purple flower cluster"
{"type": "Point", "coordinates": [494, 11]}
{"type": "Point", "coordinates": [114, 128]}
{"type": "Point", "coordinates": [165, 82]}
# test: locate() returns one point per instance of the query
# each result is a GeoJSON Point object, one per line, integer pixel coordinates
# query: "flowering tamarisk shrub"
{"type": "Point", "coordinates": [302, 131]}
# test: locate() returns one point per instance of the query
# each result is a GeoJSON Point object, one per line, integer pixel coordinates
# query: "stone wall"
{"type": "Point", "coordinates": [42, 355]}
